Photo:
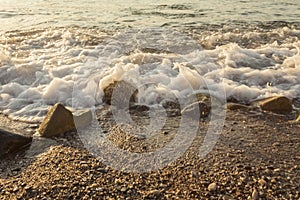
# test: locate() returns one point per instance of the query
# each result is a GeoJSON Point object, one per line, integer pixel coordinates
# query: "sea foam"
{"type": "Point", "coordinates": [60, 65]}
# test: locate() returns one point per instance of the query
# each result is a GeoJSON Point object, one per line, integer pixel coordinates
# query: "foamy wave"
{"type": "Point", "coordinates": [73, 66]}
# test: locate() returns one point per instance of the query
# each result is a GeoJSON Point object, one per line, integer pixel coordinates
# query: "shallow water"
{"type": "Point", "coordinates": [69, 51]}
{"type": "Point", "coordinates": [18, 14]}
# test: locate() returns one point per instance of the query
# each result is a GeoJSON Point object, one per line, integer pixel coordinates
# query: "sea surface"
{"type": "Point", "coordinates": [105, 14]}
{"type": "Point", "coordinates": [69, 51]}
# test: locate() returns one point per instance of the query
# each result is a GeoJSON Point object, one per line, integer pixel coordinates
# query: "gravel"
{"type": "Point", "coordinates": [256, 157]}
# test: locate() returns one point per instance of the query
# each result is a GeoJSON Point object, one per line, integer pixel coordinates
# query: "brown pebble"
{"type": "Point", "coordinates": [254, 194]}
{"type": "Point", "coordinates": [212, 187]}
{"type": "Point", "coordinates": [154, 193]}
{"type": "Point", "coordinates": [262, 182]}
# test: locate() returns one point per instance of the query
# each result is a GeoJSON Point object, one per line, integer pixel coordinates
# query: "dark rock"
{"type": "Point", "coordinates": [120, 94]}
{"type": "Point", "coordinates": [10, 142]}
{"type": "Point", "coordinates": [58, 120]}
{"type": "Point", "coordinates": [277, 104]}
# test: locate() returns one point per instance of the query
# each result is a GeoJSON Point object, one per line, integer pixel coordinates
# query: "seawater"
{"type": "Point", "coordinates": [69, 51]}
{"type": "Point", "coordinates": [118, 14]}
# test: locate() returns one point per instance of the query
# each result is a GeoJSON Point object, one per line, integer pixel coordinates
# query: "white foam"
{"type": "Point", "coordinates": [54, 66]}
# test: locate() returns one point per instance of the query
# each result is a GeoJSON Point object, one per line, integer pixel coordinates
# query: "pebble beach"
{"type": "Point", "coordinates": [256, 157]}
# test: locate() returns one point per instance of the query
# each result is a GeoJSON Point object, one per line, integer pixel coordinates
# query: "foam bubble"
{"type": "Point", "coordinates": [48, 66]}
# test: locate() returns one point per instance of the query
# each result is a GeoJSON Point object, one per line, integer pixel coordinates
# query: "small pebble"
{"type": "Point", "coordinates": [212, 187]}
{"type": "Point", "coordinates": [154, 192]}
{"type": "Point", "coordinates": [123, 189]}
{"type": "Point", "coordinates": [262, 182]}
{"type": "Point", "coordinates": [254, 194]}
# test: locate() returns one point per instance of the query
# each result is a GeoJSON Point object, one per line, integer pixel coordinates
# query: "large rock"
{"type": "Point", "coordinates": [10, 142]}
{"type": "Point", "coordinates": [277, 104]}
{"type": "Point", "coordinates": [120, 94]}
{"type": "Point", "coordinates": [58, 120]}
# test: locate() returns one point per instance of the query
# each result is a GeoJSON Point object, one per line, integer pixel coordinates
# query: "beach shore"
{"type": "Point", "coordinates": [256, 157]}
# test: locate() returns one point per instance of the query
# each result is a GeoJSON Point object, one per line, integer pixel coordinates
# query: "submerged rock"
{"type": "Point", "coordinates": [58, 120]}
{"type": "Point", "coordinates": [10, 142]}
{"type": "Point", "coordinates": [119, 94]}
{"type": "Point", "coordinates": [277, 104]}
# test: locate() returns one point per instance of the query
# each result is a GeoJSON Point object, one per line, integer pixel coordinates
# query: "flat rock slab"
{"type": "Point", "coordinates": [10, 142]}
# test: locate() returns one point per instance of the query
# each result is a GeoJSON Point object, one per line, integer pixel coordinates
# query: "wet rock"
{"type": "Point", "coordinates": [10, 142]}
{"type": "Point", "coordinates": [278, 104]}
{"type": "Point", "coordinates": [120, 94]}
{"type": "Point", "coordinates": [212, 187]}
{"type": "Point", "coordinates": [58, 120]}
{"type": "Point", "coordinates": [236, 106]}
